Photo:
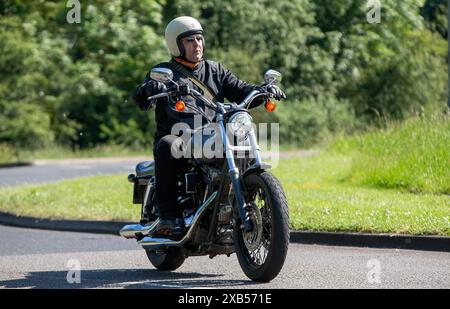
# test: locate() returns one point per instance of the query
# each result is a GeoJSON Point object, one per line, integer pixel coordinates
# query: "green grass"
{"type": "Point", "coordinates": [94, 198]}
{"type": "Point", "coordinates": [413, 155]}
{"type": "Point", "coordinates": [318, 199]}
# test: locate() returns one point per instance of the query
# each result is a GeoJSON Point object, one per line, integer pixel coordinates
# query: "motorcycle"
{"type": "Point", "coordinates": [231, 204]}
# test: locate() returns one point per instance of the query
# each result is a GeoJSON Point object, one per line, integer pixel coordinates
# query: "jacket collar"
{"type": "Point", "coordinates": [190, 65]}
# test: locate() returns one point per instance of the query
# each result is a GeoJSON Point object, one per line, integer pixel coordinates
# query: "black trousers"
{"type": "Point", "coordinates": [166, 169]}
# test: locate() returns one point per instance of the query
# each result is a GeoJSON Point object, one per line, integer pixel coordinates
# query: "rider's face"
{"type": "Point", "coordinates": [193, 46]}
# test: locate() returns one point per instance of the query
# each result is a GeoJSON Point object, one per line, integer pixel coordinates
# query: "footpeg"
{"type": "Point", "coordinates": [137, 230]}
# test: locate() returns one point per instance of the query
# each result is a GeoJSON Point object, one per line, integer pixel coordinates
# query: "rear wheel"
{"type": "Point", "coordinates": [262, 251]}
{"type": "Point", "coordinates": [168, 259]}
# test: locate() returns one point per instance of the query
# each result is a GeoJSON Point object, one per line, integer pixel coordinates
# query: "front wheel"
{"type": "Point", "coordinates": [262, 251]}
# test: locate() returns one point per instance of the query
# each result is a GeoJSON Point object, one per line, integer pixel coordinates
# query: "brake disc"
{"type": "Point", "coordinates": [252, 239]}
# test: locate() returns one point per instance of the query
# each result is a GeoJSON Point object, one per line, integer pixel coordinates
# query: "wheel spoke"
{"type": "Point", "coordinates": [259, 199]}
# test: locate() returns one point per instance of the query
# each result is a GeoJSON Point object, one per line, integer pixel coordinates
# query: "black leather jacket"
{"type": "Point", "coordinates": [220, 81]}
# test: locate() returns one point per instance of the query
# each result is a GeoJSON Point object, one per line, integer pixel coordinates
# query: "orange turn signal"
{"type": "Point", "coordinates": [180, 106]}
{"type": "Point", "coordinates": [270, 106]}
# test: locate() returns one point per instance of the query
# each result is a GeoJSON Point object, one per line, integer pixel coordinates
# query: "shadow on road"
{"type": "Point", "coordinates": [121, 278]}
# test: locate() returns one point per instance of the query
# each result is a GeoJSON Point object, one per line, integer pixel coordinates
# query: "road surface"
{"type": "Point", "coordinates": [42, 259]}
{"type": "Point", "coordinates": [49, 171]}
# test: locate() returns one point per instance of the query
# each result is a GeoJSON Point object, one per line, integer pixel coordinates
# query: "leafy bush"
{"type": "Point", "coordinates": [308, 122]}
{"type": "Point", "coordinates": [26, 126]}
{"type": "Point", "coordinates": [7, 153]}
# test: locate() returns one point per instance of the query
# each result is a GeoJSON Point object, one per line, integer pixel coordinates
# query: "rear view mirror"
{"type": "Point", "coordinates": [162, 75]}
{"type": "Point", "coordinates": [272, 77]}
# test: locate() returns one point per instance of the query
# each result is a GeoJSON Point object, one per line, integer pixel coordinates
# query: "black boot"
{"type": "Point", "coordinates": [169, 228]}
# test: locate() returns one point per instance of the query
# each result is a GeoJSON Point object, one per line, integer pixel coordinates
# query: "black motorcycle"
{"type": "Point", "coordinates": [231, 203]}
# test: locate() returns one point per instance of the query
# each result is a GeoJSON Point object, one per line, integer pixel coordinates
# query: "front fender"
{"type": "Point", "coordinates": [255, 168]}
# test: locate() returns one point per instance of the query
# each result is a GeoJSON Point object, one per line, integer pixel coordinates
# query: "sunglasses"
{"type": "Point", "coordinates": [191, 38]}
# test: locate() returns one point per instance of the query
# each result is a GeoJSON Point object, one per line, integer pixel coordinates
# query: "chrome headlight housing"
{"type": "Point", "coordinates": [240, 124]}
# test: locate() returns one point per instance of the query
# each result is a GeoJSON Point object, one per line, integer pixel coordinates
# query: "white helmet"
{"type": "Point", "coordinates": [179, 28]}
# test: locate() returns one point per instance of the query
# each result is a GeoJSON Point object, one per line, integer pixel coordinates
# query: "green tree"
{"type": "Point", "coordinates": [70, 83]}
{"type": "Point", "coordinates": [435, 14]}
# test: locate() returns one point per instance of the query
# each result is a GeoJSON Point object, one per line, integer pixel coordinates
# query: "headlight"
{"type": "Point", "coordinates": [240, 124]}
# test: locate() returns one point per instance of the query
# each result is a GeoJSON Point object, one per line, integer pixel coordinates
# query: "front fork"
{"type": "Point", "coordinates": [233, 171]}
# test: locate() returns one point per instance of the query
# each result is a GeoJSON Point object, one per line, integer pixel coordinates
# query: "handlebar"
{"type": "Point", "coordinates": [217, 107]}
{"type": "Point", "coordinates": [253, 95]}
{"type": "Point", "coordinates": [158, 96]}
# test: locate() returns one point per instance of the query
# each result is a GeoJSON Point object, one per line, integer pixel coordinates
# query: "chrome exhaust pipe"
{"type": "Point", "coordinates": [137, 231]}
{"type": "Point", "coordinates": [155, 243]}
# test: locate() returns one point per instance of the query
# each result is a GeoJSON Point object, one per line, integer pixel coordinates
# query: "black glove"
{"type": "Point", "coordinates": [278, 94]}
{"type": "Point", "coordinates": [153, 88]}
{"type": "Point", "coordinates": [146, 90]}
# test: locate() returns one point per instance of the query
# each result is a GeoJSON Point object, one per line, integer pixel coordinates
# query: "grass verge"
{"type": "Point", "coordinates": [413, 155]}
{"type": "Point", "coordinates": [320, 200]}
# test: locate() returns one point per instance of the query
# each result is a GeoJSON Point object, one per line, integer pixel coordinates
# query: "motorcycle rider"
{"type": "Point", "coordinates": [186, 44]}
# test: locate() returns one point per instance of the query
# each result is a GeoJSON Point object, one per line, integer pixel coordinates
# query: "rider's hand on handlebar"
{"type": "Point", "coordinates": [278, 94]}
{"type": "Point", "coordinates": [153, 88]}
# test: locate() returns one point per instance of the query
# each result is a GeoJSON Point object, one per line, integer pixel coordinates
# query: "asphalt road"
{"type": "Point", "coordinates": [53, 170]}
{"type": "Point", "coordinates": [42, 259]}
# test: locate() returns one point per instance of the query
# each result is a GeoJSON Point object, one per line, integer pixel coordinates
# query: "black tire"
{"type": "Point", "coordinates": [272, 236]}
{"type": "Point", "coordinates": [169, 259]}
